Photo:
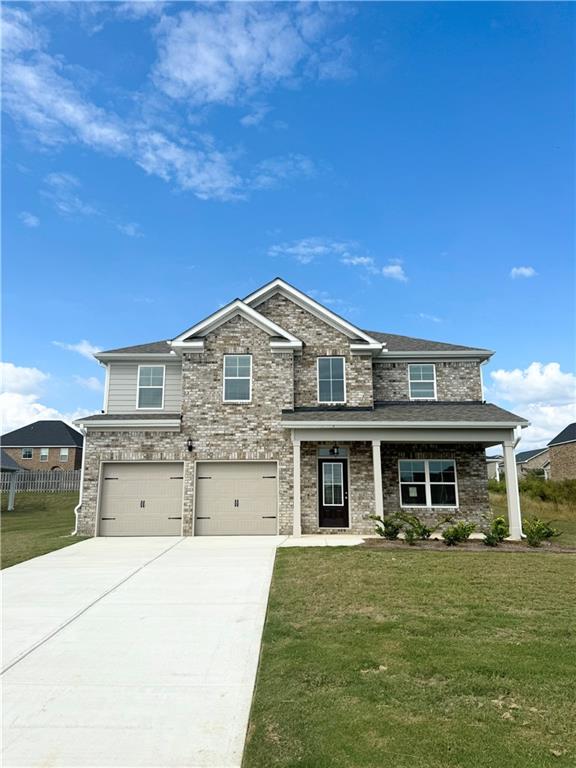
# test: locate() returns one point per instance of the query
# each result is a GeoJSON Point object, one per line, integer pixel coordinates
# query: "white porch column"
{"type": "Point", "coordinates": [512, 494]}
{"type": "Point", "coordinates": [297, 522]}
{"type": "Point", "coordinates": [12, 491]}
{"type": "Point", "coordinates": [377, 467]}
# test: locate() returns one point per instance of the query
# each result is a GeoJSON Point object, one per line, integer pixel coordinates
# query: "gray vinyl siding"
{"type": "Point", "coordinates": [123, 382]}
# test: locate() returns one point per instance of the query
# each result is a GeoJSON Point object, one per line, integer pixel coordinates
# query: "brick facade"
{"type": "Point", "coordinates": [253, 430]}
{"type": "Point", "coordinates": [34, 464]}
{"type": "Point", "coordinates": [455, 380]}
{"type": "Point", "coordinates": [563, 461]}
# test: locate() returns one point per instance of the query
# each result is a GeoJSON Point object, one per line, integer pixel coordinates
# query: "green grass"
{"type": "Point", "coordinates": [402, 659]}
{"type": "Point", "coordinates": [40, 523]}
{"type": "Point", "coordinates": [562, 516]}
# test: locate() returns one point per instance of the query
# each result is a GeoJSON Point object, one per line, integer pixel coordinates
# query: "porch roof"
{"type": "Point", "coordinates": [405, 414]}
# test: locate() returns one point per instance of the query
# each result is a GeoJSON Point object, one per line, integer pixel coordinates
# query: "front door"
{"type": "Point", "coordinates": [333, 493]}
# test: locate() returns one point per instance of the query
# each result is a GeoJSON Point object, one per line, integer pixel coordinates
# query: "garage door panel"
{"type": "Point", "coordinates": [141, 499]}
{"type": "Point", "coordinates": [236, 498]}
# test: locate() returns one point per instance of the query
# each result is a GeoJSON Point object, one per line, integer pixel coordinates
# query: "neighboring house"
{"type": "Point", "coordinates": [494, 466]}
{"type": "Point", "coordinates": [9, 466]}
{"type": "Point", "coordinates": [563, 454]}
{"type": "Point", "coordinates": [537, 460]}
{"type": "Point", "coordinates": [45, 445]}
{"type": "Point", "coordinates": [275, 415]}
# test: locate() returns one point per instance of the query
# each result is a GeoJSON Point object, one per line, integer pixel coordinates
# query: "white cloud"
{"type": "Point", "coordinates": [84, 348]}
{"type": "Point", "coordinates": [431, 318]}
{"type": "Point", "coordinates": [131, 229]}
{"type": "Point", "coordinates": [223, 53]}
{"type": "Point", "coordinates": [256, 116]}
{"type": "Point", "coordinates": [28, 219]}
{"type": "Point", "coordinates": [542, 393]}
{"type": "Point", "coordinates": [61, 189]}
{"type": "Point", "coordinates": [272, 172]}
{"type": "Point", "coordinates": [358, 261]}
{"type": "Point", "coordinates": [309, 249]}
{"type": "Point", "coordinates": [395, 271]}
{"type": "Point", "coordinates": [522, 272]}
{"type": "Point", "coordinates": [91, 382]}
{"type": "Point", "coordinates": [139, 9]}
{"type": "Point", "coordinates": [16, 378]}
{"type": "Point", "coordinates": [19, 398]}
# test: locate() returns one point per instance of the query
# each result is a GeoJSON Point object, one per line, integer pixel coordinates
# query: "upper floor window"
{"type": "Point", "coordinates": [27, 453]}
{"type": "Point", "coordinates": [151, 386]}
{"type": "Point", "coordinates": [237, 378]}
{"type": "Point", "coordinates": [331, 380]}
{"type": "Point", "coordinates": [43, 454]}
{"type": "Point", "coordinates": [428, 483]}
{"type": "Point", "coordinates": [63, 454]}
{"type": "Point", "coordinates": [422, 378]}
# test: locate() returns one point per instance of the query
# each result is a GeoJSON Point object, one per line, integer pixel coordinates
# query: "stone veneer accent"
{"type": "Point", "coordinates": [320, 340]}
{"type": "Point", "coordinates": [470, 476]}
{"type": "Point", "coordinates": [563, 461]}
{"type": "Point", "coordinates": [455, 380]}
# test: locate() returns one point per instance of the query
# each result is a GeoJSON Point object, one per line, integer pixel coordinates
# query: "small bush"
{"type": "Point", "coordinates": [491, 539]}
{"type": "Point", "coordinates": [411, 535]}
{"type": "Point", "coordinates": [499, 528]}
{"type": "Point", "coordinates": [388, 527]}
{"type": "Point", "coordinates": [457, 533]}
{"type": "Point", "coordinates": [497, 486]}
{"type": "Point", "coordinates": [537, 531]}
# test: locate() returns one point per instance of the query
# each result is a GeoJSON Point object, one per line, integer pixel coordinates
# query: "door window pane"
{"type": "Point", "coordinates": [332, 484]}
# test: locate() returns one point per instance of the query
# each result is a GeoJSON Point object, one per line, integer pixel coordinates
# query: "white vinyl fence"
{"type": "Point", "coordinates": [45, 481]}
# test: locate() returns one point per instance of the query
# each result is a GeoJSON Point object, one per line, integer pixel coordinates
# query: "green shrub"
{"type": "Point", "coordinates": [490, 539]}
{"type": "Point", "coordinates": [534, 486]}
{"type": "Point", "coordinates": [411, 535]}
{"type": "Point", "coordinates": [537, 531]}
{"type": "Point", "coordinates": [388, 527]}
{"type": "Point", "coordinates": [457, 533]}
{"type": "Point", "coordinates": [497, 486]}
{"type": "Point", "coordinates": [499, 528]}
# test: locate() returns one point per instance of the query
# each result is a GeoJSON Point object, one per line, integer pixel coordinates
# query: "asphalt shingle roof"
{"type": "Point", "coordinates": [43, 433]}
{"type": "Point", "coordinates": [8, 464]}
{"type": "Point", "coordinates": [153, 347]}
{"type": "Point", "coordinates": [568, 435]}
{"type": "Point", "coordinates": [527, 455]}
{"type": "Point", "coordinates": [409, 411]}
{"type": "Point", "coordinates": [396, 343]}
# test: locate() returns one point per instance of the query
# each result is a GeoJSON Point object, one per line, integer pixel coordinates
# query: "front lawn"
{"type": "Point", "coordinates": [412, 659]}
{"type": "Point", "coordinates": [40, 523]}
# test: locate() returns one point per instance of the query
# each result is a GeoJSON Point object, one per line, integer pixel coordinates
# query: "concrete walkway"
{"type": "Point", "coordinates": [134, 652]}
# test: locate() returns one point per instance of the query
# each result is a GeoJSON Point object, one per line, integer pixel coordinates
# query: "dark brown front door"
{"type": "Point", "coordinates": [333, 493]}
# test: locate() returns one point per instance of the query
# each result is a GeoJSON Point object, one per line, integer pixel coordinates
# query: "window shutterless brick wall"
{"type": "Point", "coordinates": [563, 461]}
{"type": "Point", "coordinates": [74, 459]}
{"type": "Point", "coordinates": [455, 380]}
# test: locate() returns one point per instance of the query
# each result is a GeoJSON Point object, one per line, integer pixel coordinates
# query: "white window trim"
{"type": "Point", "coordinates": [44, 456]}
{"type": "Point", "coordinates": [242, 378]}
{"type": "Point", "coordinates": [27, 458]}
{"type": "Point", "coordinates": [150, 408]}
{"type": "Point", "coordinates": [410, 382]}
{"type": "Point", "coordinates": [426, 485]}
{"type": "Point", "coordinates": [341, 465]}
{"type": "Point", "coordinates": [329, 357]}
{"type": "Point", "coordinates": [66, 456]}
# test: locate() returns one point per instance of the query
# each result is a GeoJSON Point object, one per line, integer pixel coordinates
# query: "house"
{"type": "Point", "coordinates": [9, 467]}
{"type": "Point", "coordinates": [275, 415]}
{"type": "Point", "coordinates": [494, 467]}
{"type": "Point", "coordinates": [45, 445]}
{"type": "Point", "coordinates": [562, 450]}
{"type": "Point", "coordinates": [536, 460]}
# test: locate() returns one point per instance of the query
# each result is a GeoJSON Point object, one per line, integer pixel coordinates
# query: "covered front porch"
{"type": "Point", "coordinates": [346, 472]}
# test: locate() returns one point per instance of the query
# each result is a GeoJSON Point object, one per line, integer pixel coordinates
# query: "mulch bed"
{"type": "Point", "coordinates": [474, 545]}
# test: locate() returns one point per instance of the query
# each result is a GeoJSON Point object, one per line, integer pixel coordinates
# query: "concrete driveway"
{"type": "Point", "coordinates": [134, 652]}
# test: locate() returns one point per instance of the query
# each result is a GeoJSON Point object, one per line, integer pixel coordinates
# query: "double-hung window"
{"type": "Point", "coordinates": [27, 453]}
{"type": "Point", "coordinates": [237, 378]}
{"type": "Point", "coordinates": [43, 454]}
{"type": "Point", "coordinates": [63, 454]}
{"type": "Point", "coordinates": [151, 386]}
{"type": "Point", "coordinates": [428, 483]}
{"type": "Point", "coordinates": [422, 379]}
{"type": "Point", "coordinates": [331, 380]}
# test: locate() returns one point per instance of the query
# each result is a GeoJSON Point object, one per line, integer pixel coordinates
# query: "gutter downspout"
{"type": "Point", "coordinates": [78, 507]}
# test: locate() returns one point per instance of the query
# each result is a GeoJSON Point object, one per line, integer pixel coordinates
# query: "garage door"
{"type": "Point", "coordinates": [141, 500]}
{"type": "Point", "coordinates": [236, 498]}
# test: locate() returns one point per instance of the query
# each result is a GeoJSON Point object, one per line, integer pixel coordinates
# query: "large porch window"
{"type": "Point", "coordinates": [428, 483]}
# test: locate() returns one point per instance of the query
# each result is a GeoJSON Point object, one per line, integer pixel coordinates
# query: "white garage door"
{"type": "Point", "coordinates": [236, 498]}
{"type": "Point", "coordinates": [141, 499]}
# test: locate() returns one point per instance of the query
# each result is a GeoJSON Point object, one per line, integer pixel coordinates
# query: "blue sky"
{"type": "Point", "coordinates": [411, 165]}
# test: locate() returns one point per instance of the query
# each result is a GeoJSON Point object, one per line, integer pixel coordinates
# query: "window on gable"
{"type": "Point", "coordinates": [27, 453]}
{"type": "Point", "coordinates": [151, 386]}
{"type": "Point", "coordinates": [422, 378]}
{"type": "Point", "coordinates": [331, 382]}
{"type": "Point", "coordinates": [237, 378]}
{"type": "Point", "coordinates": [43, 454]}
{"type": "Point", "coordinates": [428, 483]}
